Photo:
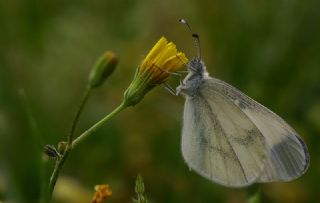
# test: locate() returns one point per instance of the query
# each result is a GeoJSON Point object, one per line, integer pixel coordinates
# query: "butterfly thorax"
{"type": "Point", "coordinates": [196, 73]}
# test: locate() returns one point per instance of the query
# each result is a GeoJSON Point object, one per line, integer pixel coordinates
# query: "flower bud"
{"type": "Point", "coordinates": [103, 68]}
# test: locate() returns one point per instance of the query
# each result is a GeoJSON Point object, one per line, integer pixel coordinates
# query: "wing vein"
{"type": "Point", "coordinates": [213, 117]}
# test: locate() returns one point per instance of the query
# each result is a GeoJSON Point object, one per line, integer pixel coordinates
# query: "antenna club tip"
{"type": "Point", "coordinates": [181, 20]}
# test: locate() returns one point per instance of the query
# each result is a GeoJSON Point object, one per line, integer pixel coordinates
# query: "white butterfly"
{"type": "Point", "coordinates": [233, 140]}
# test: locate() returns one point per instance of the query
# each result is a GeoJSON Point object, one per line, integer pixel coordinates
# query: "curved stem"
{"type": "Point", "coordinates": [60, 161]}
{"type": "Point", "coordinates": [77, 116]}
{"type": "Point", "coordinates": [88, 132]}
{"type": "Point", "coordinates": [78, 140]}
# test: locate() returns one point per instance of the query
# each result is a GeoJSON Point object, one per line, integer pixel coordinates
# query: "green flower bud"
{"type": "Point", "coordinates": [103, 68]}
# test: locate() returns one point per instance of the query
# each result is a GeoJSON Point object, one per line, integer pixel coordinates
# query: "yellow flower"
{"type": "Point", "coordinates": [162, 60]}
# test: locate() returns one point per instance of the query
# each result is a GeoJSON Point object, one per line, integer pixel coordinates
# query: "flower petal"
{"type": "Point", "coordinates": [153, 54]}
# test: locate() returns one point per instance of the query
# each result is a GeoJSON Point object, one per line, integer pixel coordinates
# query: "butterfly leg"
{"type": "Point", "coordinates": [182, 71]}
{"type": "Point", "coordinates": [177, 73]}
{"type": "Point", "coordinates": [169, 88]}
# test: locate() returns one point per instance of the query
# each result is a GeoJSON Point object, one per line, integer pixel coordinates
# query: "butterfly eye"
{"type": "Point", "coordinates": [51, 151]}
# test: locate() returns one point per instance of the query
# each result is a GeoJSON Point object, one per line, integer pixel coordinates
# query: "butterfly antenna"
{"type": "Point", "coordinates": [195, 37]}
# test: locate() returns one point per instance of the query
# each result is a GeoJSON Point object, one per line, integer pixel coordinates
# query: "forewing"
{"type": "Point", "coordinates": [288, 157]}
{"type": "Point", "coordinates": [219, 141]}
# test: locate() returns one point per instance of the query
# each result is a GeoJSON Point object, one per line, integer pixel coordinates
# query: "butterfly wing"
{"type": "Point", "coordinates": [287, 157]}
{"type": "Point", "coordinates": [219, 141]}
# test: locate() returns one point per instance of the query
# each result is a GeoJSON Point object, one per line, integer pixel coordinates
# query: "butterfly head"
{"type": "Point", "coordinates": [196, 65]}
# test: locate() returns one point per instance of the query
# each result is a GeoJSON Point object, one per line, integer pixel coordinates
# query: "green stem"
{"type": "Point", "coordinates": [56, 172]}
{"type": "Point", "coordinates": [78, 140]}
{"type": "Point", "coordinates": [60, 161]}
{"type": "Point", "coordinates": [77, 116]}
{"type": "Point", "coordinates": [88, 132]}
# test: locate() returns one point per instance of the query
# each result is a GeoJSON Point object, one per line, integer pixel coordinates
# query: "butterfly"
{"type": "Point", "coordinates": [231, 139]}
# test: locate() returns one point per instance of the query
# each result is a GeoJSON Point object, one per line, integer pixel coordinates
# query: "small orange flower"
{"type": "Point", "coordinates": [162, 60]}
{"type": "Point", "coordinates": [102, 193]}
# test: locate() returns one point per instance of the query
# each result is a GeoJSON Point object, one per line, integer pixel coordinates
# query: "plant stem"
{"type": "Point", "coordinates": [93, 128]}
{"type": "Point", "coordinates": [60, 161]}
{"type": "Point", "coordinates": [56, 172]}
{"type": "Point", "coordinates": [78, 140]}
{"type": "Point", "coordinates": [77, 116]}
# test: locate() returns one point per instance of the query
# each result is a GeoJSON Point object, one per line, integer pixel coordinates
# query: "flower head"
{"type": "Point", "coordinates": [162, 60]}
{"type": "Point", "coordinates": [102, 193]}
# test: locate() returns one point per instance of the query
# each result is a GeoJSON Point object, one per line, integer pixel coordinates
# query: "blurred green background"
{"type": "Point", "coordinates": [270, 49]}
